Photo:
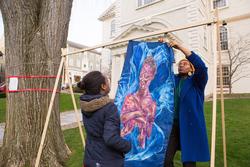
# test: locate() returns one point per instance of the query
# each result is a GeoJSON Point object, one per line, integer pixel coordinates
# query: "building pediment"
{"type": "Point", "coordinates": [134, 30]}
{"type": "Point", "coordinates": [108, 13]}
{"type": "Point", "coordinates": [138, 30]}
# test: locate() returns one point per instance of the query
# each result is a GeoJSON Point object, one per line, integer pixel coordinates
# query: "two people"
{"type": "Point", "coordinates": [105, 146]}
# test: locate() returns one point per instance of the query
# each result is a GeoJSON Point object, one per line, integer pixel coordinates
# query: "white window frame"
{"type": "Point", "coordinates": [71, 61]}
{"type": "Point", "coordinates": [78, 62]}
{"type": "Point", "coordinates": [226, 5]}
{"type": "Point", "coordinates": [142, 3]}
{"type": "Point", "coordinates": [227, 35]}
{"type": "Point", "coordinates": [224, 76]}
{"type": "Point", "coordinates": [112, 28]}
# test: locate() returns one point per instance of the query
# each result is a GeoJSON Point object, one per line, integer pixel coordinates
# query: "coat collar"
{"type": "Point", "coordinates": [92, 103]}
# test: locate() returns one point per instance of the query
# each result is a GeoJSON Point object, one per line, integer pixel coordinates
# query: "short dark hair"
{"type": "Point", "coordinates": [91, 82]}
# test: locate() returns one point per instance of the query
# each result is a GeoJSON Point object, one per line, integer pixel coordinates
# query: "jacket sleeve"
{"type": "Point", "coordinates": [111, 134]}
{"type": "Point", "coordinates": [200, 74]}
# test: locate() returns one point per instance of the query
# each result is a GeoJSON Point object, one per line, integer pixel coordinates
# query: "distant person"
{"type": "Point", "coordinates": [104, 145]}
{"type": "Point", "coordinates": [189, 129]}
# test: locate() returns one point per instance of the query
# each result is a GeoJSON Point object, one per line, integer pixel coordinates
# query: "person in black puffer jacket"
{"type": "Point", "coordinates": [104, 145]}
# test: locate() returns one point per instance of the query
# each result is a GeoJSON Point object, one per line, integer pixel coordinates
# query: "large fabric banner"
{"type": "Point", "coordinates": [145, 102]}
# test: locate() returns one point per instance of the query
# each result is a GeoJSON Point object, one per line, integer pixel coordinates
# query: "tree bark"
{"type": "Point", "coordinates": [35, 32]}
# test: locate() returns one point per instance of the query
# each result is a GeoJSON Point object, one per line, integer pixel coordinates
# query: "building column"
{"type": "Point", "coordinates": [116, 70]}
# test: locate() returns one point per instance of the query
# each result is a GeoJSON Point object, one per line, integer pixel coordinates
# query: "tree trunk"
{"type": "Point", "coordinates": [230, 88]}
{"type": "Point", "coordinates": [230, 80]}
{"type": "Point", "coordinates": [35, 32]}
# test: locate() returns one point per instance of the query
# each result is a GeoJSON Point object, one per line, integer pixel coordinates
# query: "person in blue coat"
{"type": "Point", "coordinates": [104, 145]}
{"type": "Point", "coordinates": [189, 128]}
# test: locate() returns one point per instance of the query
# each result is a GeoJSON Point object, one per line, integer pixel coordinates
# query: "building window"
{"type": "Point", "coordinates": [225, 76]}
{"type": "Point", "coordinates": [140, 3]}
{"type": "Point", "coordinates": [145, 2]}
{"type": "Point", "coordinates": [223, 38]}
{"type": "Point", "coordinates": [112, 28]}
{"type": "Point", "coordinates": [91, 67]}
{"type": "Point", "coordinates": [219, 3]}
{"type": "Point", "coordinates": [78, 62]}
{"type": "Point", "coordinates": [71, 61]}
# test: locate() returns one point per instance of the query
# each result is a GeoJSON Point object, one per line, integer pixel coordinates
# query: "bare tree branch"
{"type": "Point", "coordinates": [239, 57]}
{"type": "Point", "coordinates": [237, 67]}
{"type": "Point", "coordinates": [244, 76]}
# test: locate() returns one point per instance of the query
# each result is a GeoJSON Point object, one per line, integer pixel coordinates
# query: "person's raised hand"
{"type": "Point", "coordinates": [178, 46]}
{"type": "Point", "coordinates": [161, 39]}
{"type": "Point", "coordinates": [175, 45]}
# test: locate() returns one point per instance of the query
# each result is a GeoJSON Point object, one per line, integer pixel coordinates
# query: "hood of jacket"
{"type": "Point", "coordinates": [91, 103]}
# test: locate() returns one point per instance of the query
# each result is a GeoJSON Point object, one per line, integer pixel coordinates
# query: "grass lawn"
{"type": "Point", "coordinates": [74, 142]}
{"type": "Point", "coordinates": [2, 107]}
{"type": "Point", "coordinates": [65, 104]}
{"type": "Point", "coordinates": [237, 114]}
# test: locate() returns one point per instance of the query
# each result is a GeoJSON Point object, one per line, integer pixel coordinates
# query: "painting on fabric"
{"type": "Point", "coordinates": [145, 102]}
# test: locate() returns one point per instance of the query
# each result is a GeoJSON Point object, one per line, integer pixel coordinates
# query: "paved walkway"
{"type": "Point", "coordinates": [68, 121]}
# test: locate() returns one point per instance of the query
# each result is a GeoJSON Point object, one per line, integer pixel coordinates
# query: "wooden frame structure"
{"type": "Point", "coordinates": [216, 22]}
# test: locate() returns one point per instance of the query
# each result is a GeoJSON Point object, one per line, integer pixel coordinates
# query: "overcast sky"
{"type": "Point", "coordinates": [84, 27]}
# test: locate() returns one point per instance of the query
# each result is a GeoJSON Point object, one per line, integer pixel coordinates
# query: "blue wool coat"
{"type": "Point", "coordinates": [104, 146]}
{"type": "Point", "coordinates": [193, 136]}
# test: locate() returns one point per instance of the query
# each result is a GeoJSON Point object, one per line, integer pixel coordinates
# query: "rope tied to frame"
{"type": "Point", "coordinates": [16, 77]}
{"type": "Point", "coordinates": [51, 62]}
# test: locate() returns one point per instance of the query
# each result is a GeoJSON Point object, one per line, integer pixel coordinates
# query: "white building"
{"type": "Point", "coordinates": [235, 38]}
{"type": "Point", "coordinates": [2, 60]}
{"type": "Point", "coordinates": [77, 65]}
{"type": "Point", "coordinates": [81, 63]}
{"type": "Point", "coordinates": [128, 18]}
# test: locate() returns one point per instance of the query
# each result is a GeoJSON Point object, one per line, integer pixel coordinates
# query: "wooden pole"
{"type": "Point", "coordinates": [49, 111]}
{"type": "Point", "coordinates": [214, 112]}
{"type": "Point", "coordinates": [221, 90]}
{"type": "Point", "coordinates": [75, 108]}
{"type": "Point", "coordinates": [164, 31]}
{"type": "Point", "coordinates": [64, 73]}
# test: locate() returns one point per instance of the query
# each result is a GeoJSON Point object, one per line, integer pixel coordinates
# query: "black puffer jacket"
{"type": "Point", "coordinates": [104, 146]}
